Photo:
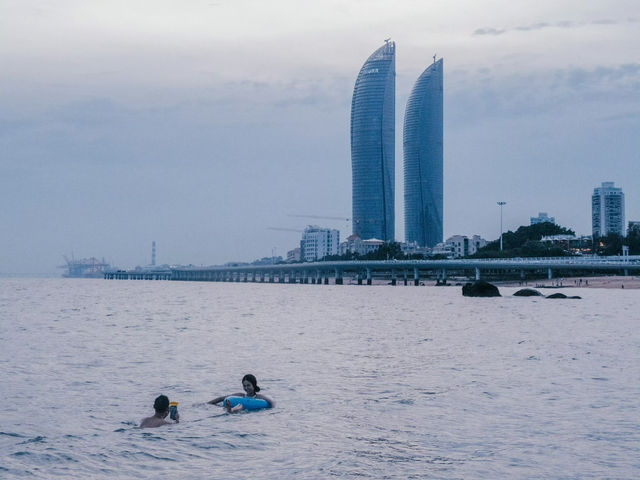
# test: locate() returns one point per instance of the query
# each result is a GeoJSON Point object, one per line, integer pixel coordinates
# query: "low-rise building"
{"type": "Point", "coordinates": [463, 246]}
{"type": "Point", "coordinates": [294, 256]}
{"type": "Point", "coordinates": [571, 243]}
{"type": "Point", "coordinates": [412, 248]}
{"type": "Point", "coordinates": [354, 244]}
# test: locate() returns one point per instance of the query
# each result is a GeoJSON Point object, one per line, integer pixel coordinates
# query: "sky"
{"type": "Point", "coordinates": [207, 125]}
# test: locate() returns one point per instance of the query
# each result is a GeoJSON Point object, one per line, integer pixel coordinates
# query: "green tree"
{"type": "Point", "coordinates": [525, 242]}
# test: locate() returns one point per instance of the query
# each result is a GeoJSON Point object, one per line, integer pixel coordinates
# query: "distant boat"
{"type": "Point", "coordinates": [84, 267]}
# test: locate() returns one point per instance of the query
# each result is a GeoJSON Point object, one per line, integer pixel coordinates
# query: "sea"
{"type": "Point", "coordinates": [389, 382]}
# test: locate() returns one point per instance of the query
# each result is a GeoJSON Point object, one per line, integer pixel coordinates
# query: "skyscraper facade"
{"type": "Point", "coordinates": [607, 210]}
{"type": "Point", "coordinates": [423, 159]}
{"type": "Point", "coordinates": [373, 146]}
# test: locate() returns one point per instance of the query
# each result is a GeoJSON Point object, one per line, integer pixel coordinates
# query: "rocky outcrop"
{"type": "Point", "coordinates": [562, 295]}
{"type": "Point", "coordinates": [528, 292]}
{"type": "Point", "coordinates": [480, 288]}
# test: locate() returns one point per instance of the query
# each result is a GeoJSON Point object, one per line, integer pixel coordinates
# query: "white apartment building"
{"type": "Point", "coordinates": [607, 210]}
{"type": "Point", "coordinates": [318, 242]}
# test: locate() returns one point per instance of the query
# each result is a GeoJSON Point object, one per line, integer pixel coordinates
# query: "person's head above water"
{"type": "Point", "coordinates": [161, 404]}
{"type": "Point", "coordinates": [250, 384]}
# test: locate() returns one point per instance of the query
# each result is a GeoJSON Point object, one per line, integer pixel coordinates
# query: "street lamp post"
{"type": "Point", "coordinates": [502, 204]}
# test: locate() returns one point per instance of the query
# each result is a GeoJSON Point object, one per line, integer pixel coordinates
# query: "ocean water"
{"type": "Point", "coordinates": [374, 382]}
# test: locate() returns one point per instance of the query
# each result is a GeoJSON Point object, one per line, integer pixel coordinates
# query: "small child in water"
{"type": "Point", "coordinates": [161, 406]}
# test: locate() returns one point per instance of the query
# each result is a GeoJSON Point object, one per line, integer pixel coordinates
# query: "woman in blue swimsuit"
{"type": "Point", "coordinates": [251, 389]}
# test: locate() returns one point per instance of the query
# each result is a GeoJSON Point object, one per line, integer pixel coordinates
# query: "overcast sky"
{"type": "Point", "coordinates": [203, 124]}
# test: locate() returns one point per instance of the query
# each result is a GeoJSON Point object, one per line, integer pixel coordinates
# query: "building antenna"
{"type": "Point", "coordinates": [434, 58]}
{"type": "Point", "coordinates": [386, 40]}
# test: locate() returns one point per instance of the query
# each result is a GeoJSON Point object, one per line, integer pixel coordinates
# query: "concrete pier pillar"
{"type": "Point", "coordinates": [359, 278]}
{"type": "Point", "coordinates": [405, 277]}
{"type": "Point", "coordinates": [305, 279]}
{"type": "Point", "coordinates": [326, 278]}
{"type": "Point", "coordinates": [477, 273]}
{"type": "Point", "coordinates": [416, 277]}
{"type": "Point", "coordinates": [271, 277]}
{"type": "Point", "coordinates": [549, 273]}
{"type": "Point", "coordinates": [369, 280]}
{"type": "Point", "coordinates": [339, 280]}
{"type": "Point", "coordinates": [393, 277]}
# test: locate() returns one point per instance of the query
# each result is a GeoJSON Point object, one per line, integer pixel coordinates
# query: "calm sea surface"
{"type": "Point", "coordinates": [379, 382]}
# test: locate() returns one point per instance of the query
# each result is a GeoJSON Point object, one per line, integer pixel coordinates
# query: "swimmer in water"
{"type": "Point", "coordinates": [161, 406]}
{"type": "Point", "coordinates": [251, 389]}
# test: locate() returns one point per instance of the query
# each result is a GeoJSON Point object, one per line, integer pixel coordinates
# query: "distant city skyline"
{"type": "Point", "coordinates": [201, 125]}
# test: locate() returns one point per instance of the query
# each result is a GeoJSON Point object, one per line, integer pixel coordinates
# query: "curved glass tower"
{"type": "Point", "coordinates": [423, 159]}
{"type": "Point", "coordinates": [373, 109]}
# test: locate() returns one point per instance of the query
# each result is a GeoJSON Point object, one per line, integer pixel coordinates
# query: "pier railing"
{"type": "Point", "coordinates": [364, 271]}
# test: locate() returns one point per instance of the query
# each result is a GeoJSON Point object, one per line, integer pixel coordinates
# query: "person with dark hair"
{"type": "Point", "coordinates": [161, 406]}
{"type": "Point", "coordinates": [251, 389]}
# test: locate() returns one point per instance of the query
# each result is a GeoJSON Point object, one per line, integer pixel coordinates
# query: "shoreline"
{"type": "Point", "coordinates": [607, 282]}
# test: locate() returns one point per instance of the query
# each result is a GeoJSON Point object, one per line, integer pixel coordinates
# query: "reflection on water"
{"type": "Point", "coordinates": [383, 382]}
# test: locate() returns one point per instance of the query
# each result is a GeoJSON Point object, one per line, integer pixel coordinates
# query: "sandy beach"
{"type": "Point", "coordinates": [612, 281]}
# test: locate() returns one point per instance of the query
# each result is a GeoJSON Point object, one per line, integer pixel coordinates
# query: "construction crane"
{"type": "Point", "coordinates": [324, 217]}
{"type": "Point", "coordinates": [321, 217]}
{"type": "Point", "coordinates": [282, 229]}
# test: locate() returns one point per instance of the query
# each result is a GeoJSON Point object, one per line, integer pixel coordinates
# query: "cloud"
{"type": "Point", "coordinates": [535, 26]}
{"type": "Point", "coordinates": [543, 25]}
{"type": "Point", "coordinates": [488, 31]}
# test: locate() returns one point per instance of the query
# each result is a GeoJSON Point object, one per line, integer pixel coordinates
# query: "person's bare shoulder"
{"type": "Point", "coordinates": [151, 422]}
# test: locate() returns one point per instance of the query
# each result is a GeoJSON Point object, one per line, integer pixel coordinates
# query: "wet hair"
{"type": "Point", "coordinates": [161, 404]}
{"type": "Point", "coordinates": [252, 379]}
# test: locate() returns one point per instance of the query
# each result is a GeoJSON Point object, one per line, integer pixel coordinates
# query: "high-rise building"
{"type": "Point", "coordinates": [423, 159]}
{"type": "Point", "coordinates": [542, 218]}
{"type": "Point", "coordinates": [607, 210]}
{"type": "Point", "coordinates": [318, 242]}
{"type": "Point", "coordinates": [373, 146]}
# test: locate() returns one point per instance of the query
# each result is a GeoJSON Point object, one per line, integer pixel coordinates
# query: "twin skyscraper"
{"type": "Point", "coordinates": [373, 110]}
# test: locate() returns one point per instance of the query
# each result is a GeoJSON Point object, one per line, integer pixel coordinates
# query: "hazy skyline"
{"type": "Point", "coordinates": [201, 124]}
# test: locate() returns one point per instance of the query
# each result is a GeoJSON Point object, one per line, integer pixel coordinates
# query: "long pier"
{"type": "Point", "coordinates": [395, 271]}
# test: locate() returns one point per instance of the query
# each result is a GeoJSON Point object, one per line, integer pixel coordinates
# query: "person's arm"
{"type": "Point", "coordinates": [219, 399]}
{"type": "Point", "coordinates": [264, 397]}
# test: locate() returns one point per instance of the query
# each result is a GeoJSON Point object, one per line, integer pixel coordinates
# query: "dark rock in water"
{"type": "Point", "coordinates": [576, 296]}
{"type": "Point", "coordinates": [480, 288]}
{"type": "Point", "coordinates": [562, 295]}
{"type": "Point", "coordinates": [528, 292]}
{"type": "Point", "coordinates": [557, 295]}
